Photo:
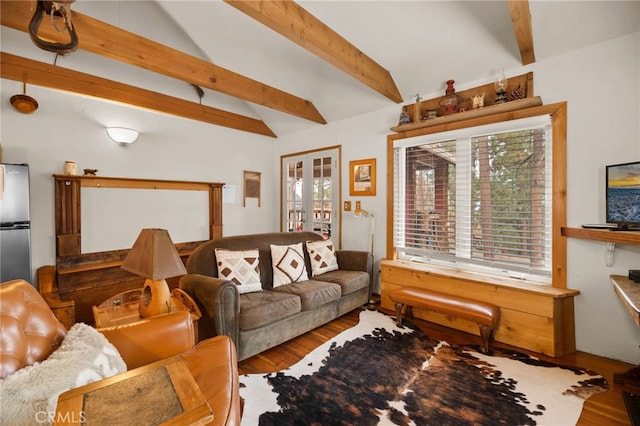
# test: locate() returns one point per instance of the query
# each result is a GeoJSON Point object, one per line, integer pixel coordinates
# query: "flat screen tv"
{"type": "Point", "coordinates": [623, 195]}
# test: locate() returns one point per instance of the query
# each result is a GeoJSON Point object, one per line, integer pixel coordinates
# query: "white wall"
{"type": "Point", "coordinates": [601, 87]}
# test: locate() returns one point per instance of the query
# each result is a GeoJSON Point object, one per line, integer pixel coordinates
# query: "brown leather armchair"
{"type": "Point", "coordinates": [30, 333]}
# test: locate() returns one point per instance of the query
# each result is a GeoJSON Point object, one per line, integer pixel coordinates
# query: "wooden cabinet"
{"type": "Point", "coordinates": [535, 317]}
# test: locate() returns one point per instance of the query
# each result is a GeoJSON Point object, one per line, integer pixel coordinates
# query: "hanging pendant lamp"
{"type": "Point", "coordinates": [24, 103]}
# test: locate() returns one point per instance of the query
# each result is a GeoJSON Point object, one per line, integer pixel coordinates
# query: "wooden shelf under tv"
{"type": "Point", "coordinates": [619, 237]}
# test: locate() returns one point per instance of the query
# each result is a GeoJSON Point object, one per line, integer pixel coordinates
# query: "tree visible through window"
{"type": "Point", "coordinates": [479, 198]}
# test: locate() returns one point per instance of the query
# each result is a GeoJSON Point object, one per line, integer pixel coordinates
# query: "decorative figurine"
{"type": "Point", "coordinates": [477, 101]}
{"type": "Point", "coordinates": [518, 92]}
{"type": "Point", "coordinates": [450, 98]}
{"type": "Point", "coordinates": [404, 118]}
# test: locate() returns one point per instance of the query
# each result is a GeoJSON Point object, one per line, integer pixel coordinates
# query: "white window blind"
{"type": "Point", "coordinates": [478, 198]}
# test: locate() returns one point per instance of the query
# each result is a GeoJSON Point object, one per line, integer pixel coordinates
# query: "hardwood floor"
{"type": "Point", "coordinates": [603, 409]}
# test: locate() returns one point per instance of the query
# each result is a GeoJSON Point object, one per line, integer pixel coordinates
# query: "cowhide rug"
{"type": "Point", "coordinates": [377, 373]}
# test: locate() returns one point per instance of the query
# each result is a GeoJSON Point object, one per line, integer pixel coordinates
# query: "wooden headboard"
{"type": "Point", "coordinates": [87, 279]}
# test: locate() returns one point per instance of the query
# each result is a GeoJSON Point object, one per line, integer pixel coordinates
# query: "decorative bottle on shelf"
{"type": "Point", "coordinates": [417, 116]}
{"type": "Point", "coordinates": [501, 87]}
{"type": "Point", "coordinates": [450, 98]}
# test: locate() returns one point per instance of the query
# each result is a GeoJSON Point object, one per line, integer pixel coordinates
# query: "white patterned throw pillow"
{"type": "Point", "coordinates": [240, 267]}
{"type": "Point", "coordinates": [288, 264]}
{"type": "Point", "coordinates": [323, 256]}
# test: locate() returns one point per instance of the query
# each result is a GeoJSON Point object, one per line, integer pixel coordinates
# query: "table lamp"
{"type": "Point", "coordinates": [154, 257]}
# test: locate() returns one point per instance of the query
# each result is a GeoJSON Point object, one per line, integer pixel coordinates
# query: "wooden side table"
{"type": "Point", "coordinates": [123, 309]}
{"type": "Point", "coordinates": [163, 393]}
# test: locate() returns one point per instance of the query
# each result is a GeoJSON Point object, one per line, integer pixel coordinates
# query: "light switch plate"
{"type": "Point", "coordinates": [347, 206]}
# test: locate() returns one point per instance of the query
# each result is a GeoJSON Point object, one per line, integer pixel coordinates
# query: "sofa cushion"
{"type": "Point", "coordinates": [350, 281]}
{"type": "Point", "coordinates": [312, 293]}
{"type": "Point", "coordinates": [85, 356]}
{"type": "Point", "coordinates": [288, 264]}
{"type": "Point", "coordinates": [266, 307]}
{"type": "Point", "coordinates": [240, 267]}
{"type": "Point", "coordinates": [323, 256]}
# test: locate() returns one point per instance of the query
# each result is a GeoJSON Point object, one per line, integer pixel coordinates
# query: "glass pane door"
{"type": "Point", "coordinates": [322, 202]}
{"type": "Point", "coordinates": [310, 193]}
{"type": "Point", "coordinates": [293, 191]}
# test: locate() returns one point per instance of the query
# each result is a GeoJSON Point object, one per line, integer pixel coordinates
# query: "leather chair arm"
{"type": "Point", "coordinates": [152, 339]}
{"type": "Point", "coordinates": [214, 365]}
{"type": "Point", "coordinates": [219, 302]}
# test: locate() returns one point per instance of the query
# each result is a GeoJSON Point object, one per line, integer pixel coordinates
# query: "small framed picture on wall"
{"type": "Point", "coordinates": [251, 186]}
{"type": "Point", "coordinates": [362, 177]}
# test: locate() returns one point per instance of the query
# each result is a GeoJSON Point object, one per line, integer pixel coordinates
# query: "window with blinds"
{"type": "Point", "coordinates": [477, 198]}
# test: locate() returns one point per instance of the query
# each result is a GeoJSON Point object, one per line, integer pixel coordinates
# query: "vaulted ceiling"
{"type": "Point", "coordinates": [274, 68]}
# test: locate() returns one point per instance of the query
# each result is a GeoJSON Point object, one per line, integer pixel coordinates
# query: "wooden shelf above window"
{"type": "Point", "coordinates": [524, 82]}
{"type": "Point", "coordinates": [619, 237]}
{"type": "Point", "coordinates": [474, 113]}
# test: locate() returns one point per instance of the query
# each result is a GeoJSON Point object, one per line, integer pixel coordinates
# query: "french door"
{"type": "Point", "coordinates": [310, 192]}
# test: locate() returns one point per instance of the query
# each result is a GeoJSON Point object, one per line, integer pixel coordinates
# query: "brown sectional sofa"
{"type": "Point", "coordinates": [260, 320]}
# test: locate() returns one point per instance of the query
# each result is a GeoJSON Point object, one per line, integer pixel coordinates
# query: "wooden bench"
{"type": "Point", "coordinates": [486, 315]}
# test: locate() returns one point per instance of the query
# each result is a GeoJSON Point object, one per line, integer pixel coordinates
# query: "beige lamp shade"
{"type": "Point", "coordinates": [154, 257]}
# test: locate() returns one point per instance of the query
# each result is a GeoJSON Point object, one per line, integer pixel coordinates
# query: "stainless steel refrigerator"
{"type": "Point", "coordinates": [15, 225]}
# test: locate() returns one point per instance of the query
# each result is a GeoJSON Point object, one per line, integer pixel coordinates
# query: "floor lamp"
{"type": "Point", "coordinates": [364, 213]}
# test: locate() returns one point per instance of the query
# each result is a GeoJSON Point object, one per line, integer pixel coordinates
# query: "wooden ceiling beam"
{"type": "Point", "coordinates": [293, 22]}
{"type": "Point", "coordinates": [107, 40]}
{"type": "Point", "coordinates": [40, 74]}
{"type": "Point", "coordinates": [521, 18]}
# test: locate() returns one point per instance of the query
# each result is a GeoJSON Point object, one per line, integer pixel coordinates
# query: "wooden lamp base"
{"type": "Point", "coordinates": [156, 298]}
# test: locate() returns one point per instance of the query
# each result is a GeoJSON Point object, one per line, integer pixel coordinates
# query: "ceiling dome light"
{"type": "Point", "coordinates": [122, 135]}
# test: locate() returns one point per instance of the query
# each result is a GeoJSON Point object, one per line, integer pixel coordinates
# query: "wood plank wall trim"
{"type": "Point", "coordinates": [483, 279]}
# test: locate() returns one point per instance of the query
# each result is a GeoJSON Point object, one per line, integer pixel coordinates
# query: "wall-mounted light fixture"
{"type": "Point", "coordinates": [122, 135]}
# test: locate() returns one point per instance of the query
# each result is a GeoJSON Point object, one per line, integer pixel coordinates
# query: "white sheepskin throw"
{"type": "Point", "coordinates": [30, 395]}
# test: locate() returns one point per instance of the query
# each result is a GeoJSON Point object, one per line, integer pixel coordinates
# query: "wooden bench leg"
{"type": "Point", "coordinates": [485, 334]}
{"type": "Point", "coordinates": [402, 309]}
{"type": "Point", "coordinates": [398, 313]}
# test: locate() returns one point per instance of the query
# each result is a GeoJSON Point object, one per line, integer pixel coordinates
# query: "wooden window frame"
{"type": "Point", "coordinates": [558, 114]}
